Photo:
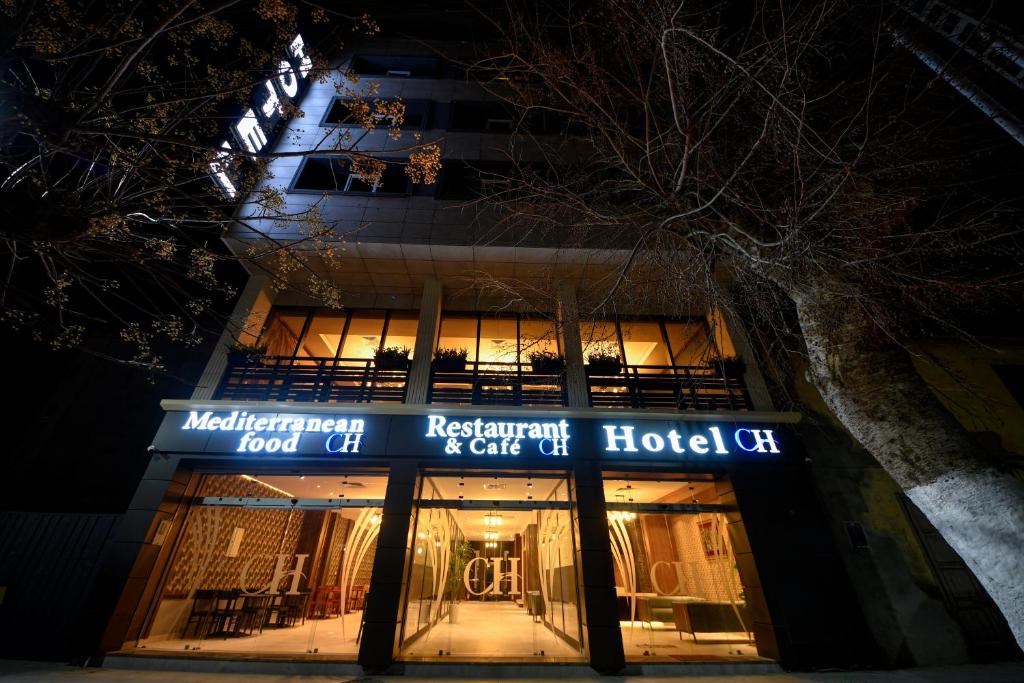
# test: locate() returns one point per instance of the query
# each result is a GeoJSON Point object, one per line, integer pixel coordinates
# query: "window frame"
{"type": "Point", "coordinates": [294, 189]}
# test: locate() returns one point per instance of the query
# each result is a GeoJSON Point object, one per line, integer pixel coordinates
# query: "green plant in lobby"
{"type": "Point", "coordinates": [462, 553]}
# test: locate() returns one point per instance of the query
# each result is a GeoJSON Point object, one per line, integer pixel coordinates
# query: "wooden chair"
{"type": "Point", "coordinates": [204, 602]}
{"type": "Point", "coordinates": [356, 597]}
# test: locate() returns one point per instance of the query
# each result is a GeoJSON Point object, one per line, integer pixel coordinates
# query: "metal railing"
{"type": "Point", "coordinates": [493, 383]}
{"type": "Point", "coordinates": [324, 380]}
{"type": "Point", "coordinates": [667, 387]}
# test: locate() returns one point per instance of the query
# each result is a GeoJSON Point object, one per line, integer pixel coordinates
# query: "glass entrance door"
{"type": "Point", "coordinates": [493, 570]}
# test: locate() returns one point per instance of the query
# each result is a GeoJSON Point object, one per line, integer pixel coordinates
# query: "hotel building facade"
{"type": "Point", "coordinates": [608, 491]}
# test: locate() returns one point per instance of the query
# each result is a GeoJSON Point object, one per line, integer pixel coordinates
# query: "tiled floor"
{"type": "Point", "coordinates": [642, 641]}
{"type": "Point", "coordinates": [491, 629]}
{"type": "Point", "coordinates": [322, 636]}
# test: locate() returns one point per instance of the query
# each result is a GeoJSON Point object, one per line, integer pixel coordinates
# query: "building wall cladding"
{"type": "Point", "coordinates": [49, 564]}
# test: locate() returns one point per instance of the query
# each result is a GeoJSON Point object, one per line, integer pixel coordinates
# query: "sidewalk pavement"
{"type": "Point", "coordinates": [13, 671]}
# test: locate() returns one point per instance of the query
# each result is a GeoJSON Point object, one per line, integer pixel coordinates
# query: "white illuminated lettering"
{"type": "Point", "coordinates": [298, 50]}
{"type": "Point", "coordinates": [271, 105]}
{"type": "Point", "coordinates": [760, 438]}
{"type": "Point", "coordinates": [250, 132]}
{"type": "Point", "coordinates": [219, 170]}
{"type": "Point", "coordinates": [479, 436]}
{"type": "Point", "coordinates": [675, 442]}
{"type": "Point", "coordinates": [629, 446]}
{"type": "Point", "coordinates": [343, 443]}
{"type": "Point", "coordinates": [716, 435]}
{"type": "Point", "coordinates": [652, 442]}
{"type": "Point", "coordinates": [286, 79]}
{"type": "Point", "coordinates": [194, 421]}
{"type": "Point", "coordinates": [699, 444]}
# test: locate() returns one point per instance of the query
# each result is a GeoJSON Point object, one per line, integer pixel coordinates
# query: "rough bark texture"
{"type": "Point", "coordinates": [870, 384]}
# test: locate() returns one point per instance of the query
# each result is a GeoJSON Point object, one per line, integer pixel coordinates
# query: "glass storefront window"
{"type": "Point", "coordinates": [650, 346]}
{"type": "Point", "coordinates": [679, 590]}
{"type": "Point", "coordinates": [251, 572]}
{"type": "Point", "coordinates": [498, 343]}
{"type": "Point", "coordinates": [492, 570]}
{"type": "Point", "coordinates": [351, 336]}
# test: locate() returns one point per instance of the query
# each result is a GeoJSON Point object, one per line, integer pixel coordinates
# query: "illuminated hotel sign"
{"type": "Point", "coordinates": [380, 435]}
{"type": "Point", "coordinates": [704, 440]}
{"type": "Point", "coordinates": [281, 433]}
{"type": "Point", "coordinates": [252, 130]}
{"type": "Point", "coordinates": [499, 437]}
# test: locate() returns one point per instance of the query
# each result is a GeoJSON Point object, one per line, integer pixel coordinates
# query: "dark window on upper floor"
{"type": "Point", "coordinates": [391, 66]}
{"type": "Point", "coordinates": [489, 117]}
{"type": "Point", "coordinates": [461, 180]}
{"type": "Point", "coordinates": [331, 174]}
{"type": "Point", "coordinates": [417, 114]}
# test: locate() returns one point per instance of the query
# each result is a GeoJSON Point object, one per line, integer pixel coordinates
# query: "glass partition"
{"type": "Point", "coordinates": [679, 591]}
{"type": "Point", "coordinates": [351, 335]}
{"type": "Point", "coordinates": [492, 570]}
{"type": "Point", "coordinates": [252, 572]}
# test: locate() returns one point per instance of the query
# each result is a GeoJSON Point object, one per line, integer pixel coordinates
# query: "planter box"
{"type": "Point", "coordinates": [387, 363]}
{"type": "Point", "coordinates": [547, 367]}
{"type": "Point", "coordinates": [733, 370]}
{"type": "Point", "coordinates": [449, 364]}
{"type": "Point", "coordinates": [604, 368]}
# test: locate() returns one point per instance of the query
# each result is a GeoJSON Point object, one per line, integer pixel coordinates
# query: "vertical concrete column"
{"type": "Point", "coordinates": [129, 559]}
{"type": "Point", "coordinates": [426, 332]}
{"type": "Point", "coordinates": [569, 322]}
{"type": "Point", "coordinates": [595, 569]}
{"type": "Point", "coordinates": [384, 605]}
{"type": "Point", "coordinates": [246, 321]}
{"type": "Point", "coordinates": [752, 377]}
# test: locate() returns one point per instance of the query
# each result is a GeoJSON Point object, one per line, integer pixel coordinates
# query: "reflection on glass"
{"type": "Point", "coordinates": [362, 339]}
{"type": "Point", "coordinates": [459, 332]}
{"type": "Point", "coordinates": [679, 591]}
{"type": "Point", "coordinates": [282, 332]}
{"type": "Point", "coordinates": [266, 580]}
{"type": "Point", "coordinates": [492, 582]}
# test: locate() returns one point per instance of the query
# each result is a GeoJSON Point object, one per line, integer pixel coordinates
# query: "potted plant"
{"type": "Point", "coordinates": [392, 358]}
{"type": "Point", "coordinates": [730, 367]}
{"type": "Point", "coordinates": [450, 360]}
{"type": "Point", "coordinates": [240, 353]}
{"type": "Point", "coordinates": [462, 553]}
{"type": "Point", "coordinates": [603, 361]}
{"type": "Point", "coordinates": [546, 362]}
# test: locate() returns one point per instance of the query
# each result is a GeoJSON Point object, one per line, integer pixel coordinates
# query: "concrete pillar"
{"type": "Point", "coordinates": [418, 388]}
{"type": "Point", "coordinates": [572, 346]}
{"type": "Point", "coordinates": [129, 559]}
{"type": "Point", "coordinates": [752, 377]}
{"type": "Point", "coordinates": [595, 571]}
{"type": "Point", "coordinates": [384, 604]}
{"type": "Point", "coordinates": [246, 322]}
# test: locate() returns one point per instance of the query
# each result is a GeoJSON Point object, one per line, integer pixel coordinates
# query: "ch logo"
{"type": "Point", "coordinates": [280, 573]}
{"type": "Point", "coordinates": [499, 575]}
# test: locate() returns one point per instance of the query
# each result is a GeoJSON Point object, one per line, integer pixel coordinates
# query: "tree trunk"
{"type": "Point", "coordinates": [870, 384]}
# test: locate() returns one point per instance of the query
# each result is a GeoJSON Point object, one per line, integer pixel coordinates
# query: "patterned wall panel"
{"type": "Point", "coordinates": [201, 560]}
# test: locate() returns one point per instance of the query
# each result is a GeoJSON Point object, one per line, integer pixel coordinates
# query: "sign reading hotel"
{"type": "Point", "coordinates": [281, 433]}
{"type": "Point", "coordinates": [500, 437]}
{"type": "Point", "coordinates": [699, 440]}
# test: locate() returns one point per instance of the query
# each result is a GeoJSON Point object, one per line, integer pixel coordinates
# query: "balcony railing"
{"type": "Point", "coordinates": [326, 380]}
{"type": "Point", "coordinates": [492, 383]}
{"type": "Point", "coordinates": [667, 387]}
{"type": "Point", "coordinates": [359, 380]}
